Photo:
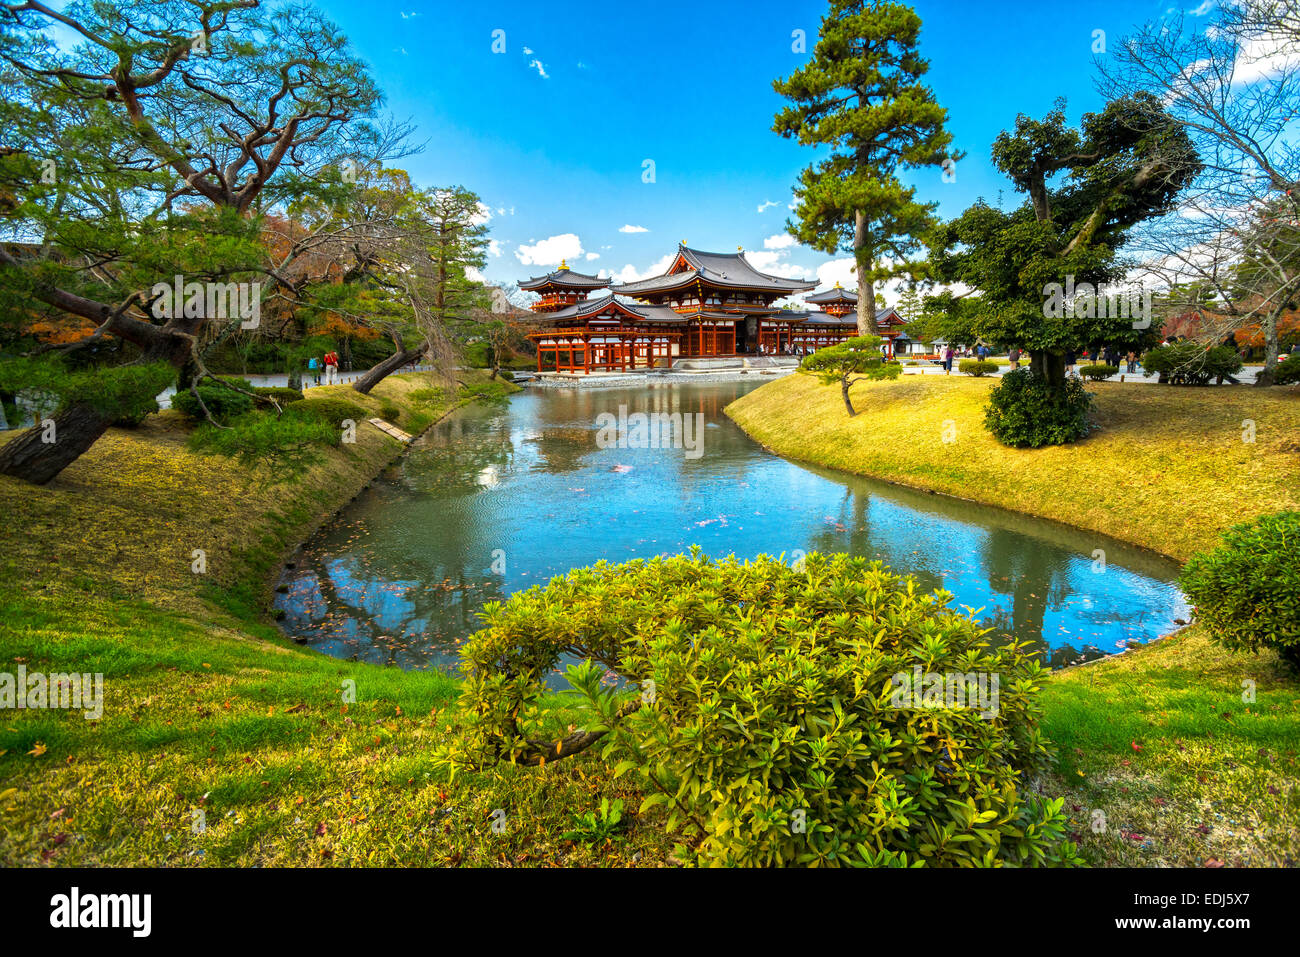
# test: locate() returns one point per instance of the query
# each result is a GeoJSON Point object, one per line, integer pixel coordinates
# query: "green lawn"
{"type": "Point", "coordinates": [208, 708]}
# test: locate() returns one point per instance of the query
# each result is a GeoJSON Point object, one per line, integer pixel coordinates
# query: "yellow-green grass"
{"type": "Point", "coordinates": [1168, 468]}
{"type": "Point", "coordinates": [1159, 740]}
{"type": "Point", "coordinates": [207, 708]}
{"type": "Point", "coordinates": [1186, 769]}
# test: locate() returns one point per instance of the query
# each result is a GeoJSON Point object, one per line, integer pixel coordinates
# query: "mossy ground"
{"type": "Point", "coordinates": [1184, 771]}
{"type": "Point", "coordinates": [207, 708]}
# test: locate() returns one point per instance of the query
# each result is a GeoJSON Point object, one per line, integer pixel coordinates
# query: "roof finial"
{"type": "Point", "coordinates": [683, 242]}
{"type": "Point", "coordinates": [564, 264]}
{"type": "Point", "coordinates": [740, 249]}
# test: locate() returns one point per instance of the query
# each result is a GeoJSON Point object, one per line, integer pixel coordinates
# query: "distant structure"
{"type": "Point", "coordinates": [704, 305]}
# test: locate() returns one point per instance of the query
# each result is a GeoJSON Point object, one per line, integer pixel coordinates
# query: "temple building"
{"type": "Point", "coordinates": [705, 305]}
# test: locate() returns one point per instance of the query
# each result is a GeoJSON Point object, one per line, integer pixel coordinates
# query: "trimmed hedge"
{"type": "Point", "coordinates": [1288, 372]}
{"type": "Point", "coordinates": [1025, 412]}
{"type": "Point", "coordinates": [1098, 371]}
{"type": "Point", "coordinates": [1247, 591]}
{"type": "Point", "coordinates": [977, 367]}
{"type": "Point", "coordinates": [1190, 363]}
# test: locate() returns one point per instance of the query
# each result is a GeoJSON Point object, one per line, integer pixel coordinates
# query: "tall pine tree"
{"type": "Point", "coordinates": [861, 95]}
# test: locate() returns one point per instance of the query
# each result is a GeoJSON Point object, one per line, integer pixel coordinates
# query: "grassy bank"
{"type": "Point", "coordinates": [210, 716]}
{"type": "Point", "coordinates": [1159, 740]}
{"type": "Point", "coordinates": [1167, 470]}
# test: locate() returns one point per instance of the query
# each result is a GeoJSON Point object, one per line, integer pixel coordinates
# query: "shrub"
{"type": "Point", "coordinates": [280, 394]}
{"type": "Point", "coordinates": [328, 410]}
{"type": "Point", "coordinates": [225, 404]}
{"type": "Point", "coordinates": [1025, 412]}
{"type": "Point", "coordinates": [287, 444]}
{"type": "Point", "coordinates": [761, 712]}
{"type": "Point", "coordinates": [1288, 372]}
{"type": "Point", "coordinates": [977, 367]}
{"type": "Point", "coordinates": [1190, 363]}
{"type": "Point", "coordinates": [390, 412]}
{"type": "Point", "coordinates": [1098, 372]}
{"type": "Point", "coordinates": [1245, 591]}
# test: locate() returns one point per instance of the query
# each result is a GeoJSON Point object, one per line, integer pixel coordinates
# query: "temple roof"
{"type": "Point", "coordinates": [565, 278]}
{"type": "Point", "coordinates": [591, 308]}
{"type": "Point", "coordinates": [718, 269]}
{"type": "Point", "coordinates": [838, 294]}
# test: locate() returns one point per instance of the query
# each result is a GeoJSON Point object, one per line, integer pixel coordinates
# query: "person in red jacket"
{"type": "Point", "coordinates": [331, 367]}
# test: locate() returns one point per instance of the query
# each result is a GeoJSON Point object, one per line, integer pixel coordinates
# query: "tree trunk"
{"type": "Point", "coordinates": [1049, 365]}
{"type": "Point", "coordinates": [844, 391]}
{"type": "Point", "coordinates": [379, 373]}
{"type": "Point", "coordinates": [33, 459]}
{"type": "Point", "coordinates": [1268, 375]}
{"type": "Point", "coordinates": [862, 256]}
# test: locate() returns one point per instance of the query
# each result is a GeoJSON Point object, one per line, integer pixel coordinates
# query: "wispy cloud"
{"type": "Point", "coordinates": [541, 70]}
{"type": "Point", "coordinates": [766, 205]}
{"type": "Point", "coordinates": [629, 228]}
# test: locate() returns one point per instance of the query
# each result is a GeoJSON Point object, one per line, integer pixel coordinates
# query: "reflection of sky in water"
{"type": "Point", "coordinates": [525, 487]}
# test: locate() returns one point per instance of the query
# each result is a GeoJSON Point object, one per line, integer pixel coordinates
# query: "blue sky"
{"type": "Point", "coordinates": [554, 132]}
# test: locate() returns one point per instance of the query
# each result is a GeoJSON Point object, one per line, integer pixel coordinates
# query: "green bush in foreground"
{"type": "Point", "coordinates": [1247, 591]}
{"type": "Point", "coordinates": [1024, 412]}
{"type": "Point", "coordinates": [977, 367]}
{"type": "Point", "coordinates": [1098, 371]}
{"type": "Point", "coordinates": [760, 710]}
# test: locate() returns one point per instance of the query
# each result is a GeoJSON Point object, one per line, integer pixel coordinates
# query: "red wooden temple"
{"type": "Point", "coordinates": [704, 305]}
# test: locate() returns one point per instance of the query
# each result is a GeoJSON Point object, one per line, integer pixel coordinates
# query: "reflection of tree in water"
{"type": "Point", "coordinates": [1062, 656]}
{"type": "Point", "coordinates": [407, 620]}
{"type": "Point", "coordinates": [458, 456]}
{"type": "Point", "coordinates": [1033, 574]}
{"type": "Point", "coordinates": [852, 534]}
{"type": "Point", "coordinates": [562, 450]}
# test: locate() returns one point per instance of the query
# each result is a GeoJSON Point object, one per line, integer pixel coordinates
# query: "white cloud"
{"type": "Point", "coordinates": [1202, 10]}
{"type": "Point", "coordinates": [629, 273]}
{"type": "Point", "coordinates": [843, 271]}
{"type": "Point", "coordinates": [632, 229]}
{"type": "Point", "coordinates": [591, 256]}
{"type": "Point", "coordinates": [483, 215]}
{"type": "Point", "coordinates": [549, 252]}
{"type": "Point", "coordinates": [528, 51]}
{"type": "Point", "coordinates": [541, 70]}
{"type": "Point", "coordinates": [494, 248]}
{"type": "Point", "coordinates": [767, 204]}
{"type": "Point", "coordinates": [779, 241]}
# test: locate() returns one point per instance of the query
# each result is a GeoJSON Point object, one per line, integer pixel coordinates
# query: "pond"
{"type": "Point", "coordinates": [495, 499]}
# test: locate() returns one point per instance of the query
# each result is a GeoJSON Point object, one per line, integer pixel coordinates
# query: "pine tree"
{"type": "Point", "coordinates": [861, 95]}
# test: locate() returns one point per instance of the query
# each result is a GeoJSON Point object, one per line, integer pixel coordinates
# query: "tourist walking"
{"type": "Point", "coordinates": [331, 367]}
{"type": "Point", "coordinates": [947, 360]}
{"type": "Point", "coordinates": [1014, 356]}
{"type": "Point", "coordinates": [313, 366]}
{"type": "Point", "coordinates": [1132, 361]}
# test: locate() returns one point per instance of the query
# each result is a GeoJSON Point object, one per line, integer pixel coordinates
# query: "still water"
{"type": "Point", "coordinates": [497, 499]}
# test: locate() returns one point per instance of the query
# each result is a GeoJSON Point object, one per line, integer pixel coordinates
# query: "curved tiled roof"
{"type": "Point", "coordinates": [731, 270]}
{"type": "Point", "coordinates": [565, 278]}
{"type": "Point", "coordinates": [594, 307]}
{"type": "Point", "coordinates": [838, 294]}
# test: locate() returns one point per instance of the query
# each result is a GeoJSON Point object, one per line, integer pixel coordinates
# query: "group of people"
{"type": "Point", "coordinates": [329, 364]}
{"type": "Point", "coordinates": [1107, 354]}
